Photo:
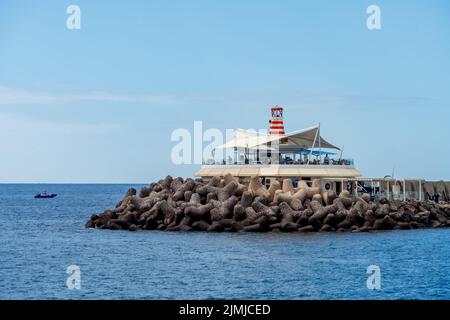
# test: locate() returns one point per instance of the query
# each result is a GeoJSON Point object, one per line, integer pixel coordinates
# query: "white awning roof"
{"type": "Point", "coordinates": [302, 138]}
{"type": "Point", "coordinates": [247, 139]}
{"type": "Point", "coordinates": [305, 138]}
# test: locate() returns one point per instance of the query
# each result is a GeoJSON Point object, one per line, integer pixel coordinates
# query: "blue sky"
{"type": "Point", "coordinates": [99, 104]}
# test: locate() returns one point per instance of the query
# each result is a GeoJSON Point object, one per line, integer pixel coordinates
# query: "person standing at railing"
{"type": "Point", "coordinates": [436, 198]}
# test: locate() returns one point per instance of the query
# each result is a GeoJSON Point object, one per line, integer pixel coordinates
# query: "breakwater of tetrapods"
{"type": "Point", "coordinates": [223, 204]}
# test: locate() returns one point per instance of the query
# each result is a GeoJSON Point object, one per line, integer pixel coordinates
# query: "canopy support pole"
{"type": "Point", "coordinates": [314, 143]}
{"type": "Point", "coordinates": [320, 146]}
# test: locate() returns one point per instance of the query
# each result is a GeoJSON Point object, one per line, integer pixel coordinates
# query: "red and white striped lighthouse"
{"type": "Point", "coordinates": [276, 125]}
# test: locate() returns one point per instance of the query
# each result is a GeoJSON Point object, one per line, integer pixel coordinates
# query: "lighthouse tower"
{"type": "Point", "coordinates": [276, 125]}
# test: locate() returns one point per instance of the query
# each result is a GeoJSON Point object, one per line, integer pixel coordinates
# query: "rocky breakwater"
{"type": "Point", "coordinates": [224, 204]}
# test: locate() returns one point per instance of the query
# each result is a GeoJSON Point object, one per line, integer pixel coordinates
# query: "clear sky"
{"type": "Point", "coordinates": [99, 104]}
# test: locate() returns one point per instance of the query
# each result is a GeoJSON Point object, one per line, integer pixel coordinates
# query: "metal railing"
{"type": "Point", "coordinates": [341, 162]}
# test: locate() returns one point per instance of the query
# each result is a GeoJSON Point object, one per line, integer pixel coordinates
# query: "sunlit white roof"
{"type": "Point", "coordinates": [305, 138]}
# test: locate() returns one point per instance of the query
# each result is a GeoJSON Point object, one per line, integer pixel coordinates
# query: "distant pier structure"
{"type": "Point", "coordinates": [306, 155]}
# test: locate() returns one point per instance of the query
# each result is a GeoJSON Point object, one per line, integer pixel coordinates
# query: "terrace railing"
{"type": "Point", "coordinates": [331, 163]}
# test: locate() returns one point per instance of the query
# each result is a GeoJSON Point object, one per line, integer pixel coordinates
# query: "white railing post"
{"type": "Point", "coordinates": [387, 191]}
{"type": "Point", "coordinates": [420, 190]}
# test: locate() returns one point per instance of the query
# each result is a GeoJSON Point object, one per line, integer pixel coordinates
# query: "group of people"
{"type": "Point", "coordinates": [326, 161]}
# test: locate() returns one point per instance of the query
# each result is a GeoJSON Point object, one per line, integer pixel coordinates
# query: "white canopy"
{"type": "Point", "coordinates": [305, 138]}
{"type": "Point", "coordinates": [245, 139]}
{"type": "Point", "coordinates": [309, 137]}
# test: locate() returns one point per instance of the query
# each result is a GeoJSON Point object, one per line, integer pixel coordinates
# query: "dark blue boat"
{"type": "Point", "coordinates": [45, 195]}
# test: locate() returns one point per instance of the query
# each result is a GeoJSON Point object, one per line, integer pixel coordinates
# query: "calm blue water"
{"type": "Point", "coordinates": [40, 238]}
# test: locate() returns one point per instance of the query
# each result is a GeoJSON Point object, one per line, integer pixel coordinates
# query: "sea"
{"type": "Point", "coordinates": [47, 253]}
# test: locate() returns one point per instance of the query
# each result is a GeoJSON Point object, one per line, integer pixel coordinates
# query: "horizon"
{"type": "Point", "coordinates": [98, 105]}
